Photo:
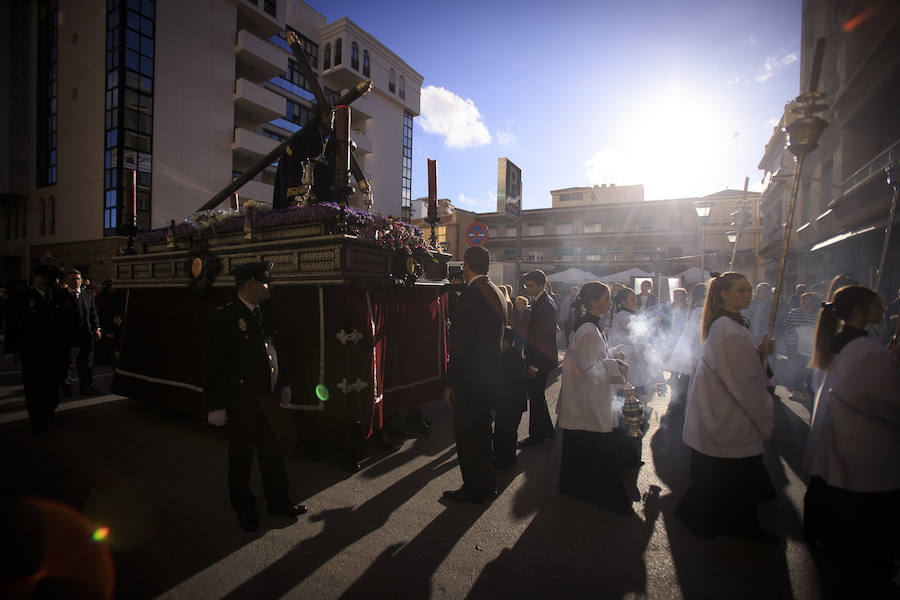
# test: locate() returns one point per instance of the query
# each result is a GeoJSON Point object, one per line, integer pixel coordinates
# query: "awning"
{"type": "Point", "coordinates": [841, 238]}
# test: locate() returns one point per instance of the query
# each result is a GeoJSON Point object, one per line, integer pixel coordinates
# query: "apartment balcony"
{"type": "Point", "coordinates": [257, 191]}
{"type": "Point", "coordinates": [865, 196]}
{"type": "Point", "coordinates": [257, 59]}
{"type": "Point", "coordinates": [341, 76]}
{"type": "Point", "coordinates": [253, 16]}
{"type": "Point", "coordinates": [248, 145]}
{"type": "Point", "coordinates": [255, 103]}
{"type": "Point", "coordinates": [363, 142]}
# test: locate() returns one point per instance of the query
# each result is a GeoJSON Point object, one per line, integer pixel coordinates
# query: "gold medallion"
{"type": "Point", "coordinates": [197, 267]}
{"type": "Point", "coordinates": [242, 324]}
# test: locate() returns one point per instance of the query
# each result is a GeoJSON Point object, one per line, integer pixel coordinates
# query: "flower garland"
{"type": "Point", "coordinates": [388, 232]}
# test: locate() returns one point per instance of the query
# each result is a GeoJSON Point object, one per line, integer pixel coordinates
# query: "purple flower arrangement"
{"type": "Point", "coordinates": [388, 232]}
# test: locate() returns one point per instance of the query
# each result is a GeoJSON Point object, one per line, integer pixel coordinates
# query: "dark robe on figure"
{"type": "Point", "coordinates": [308, 143]}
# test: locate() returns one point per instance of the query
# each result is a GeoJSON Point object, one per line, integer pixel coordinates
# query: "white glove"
{"type": "Point", "coordinates": [286, 395]}
{"type": "Point", "coordinates": [217, 418]}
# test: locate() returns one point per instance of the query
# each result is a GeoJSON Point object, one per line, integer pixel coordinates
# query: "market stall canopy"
{"type": "Point", "coordinates": [625, 276]}
{"type": "Point", "coordinates": [693, 275]}
{"type": "Point", "coordinates": [573, 274]}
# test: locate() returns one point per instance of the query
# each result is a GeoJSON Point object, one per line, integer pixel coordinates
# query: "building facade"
{"type": "Point", "coordinates": [844, 199]}
{"type": "Point", "coordinates": [151, 107]}
{"type": "Point", "coordinates": [605, 230]}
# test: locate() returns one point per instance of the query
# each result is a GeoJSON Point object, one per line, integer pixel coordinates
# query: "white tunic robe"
{"type": "Point", "coordinates": [585, 398]}
{"type": "Point", "coordinates": [854, 437]}
{"type": "Point", "coordinates": [635, 335]}
{"type": "Point", "coordinates": [729, 410]}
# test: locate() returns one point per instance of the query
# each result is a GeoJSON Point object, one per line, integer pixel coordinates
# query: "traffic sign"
{"type": "Point", "coordinates": [477, 234]}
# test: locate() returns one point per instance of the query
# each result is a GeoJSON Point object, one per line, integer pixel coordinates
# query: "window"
{"type": "Point", "coordinates": [592, 227]}
{"type": "Point", "coordinates": [535, 229]}
{"type": "Point", "coordinates": [592, 254]}
{"type": "Point", "coordinates": [645, 224]}
{"type": "Point", "coordinates": [564, 229]}
{"type": "Point", "coordinates": [310, 49]}
{"type": "Point", "coordinates": [564, 254]}
{"type": "Point", "coordinates": [406, 169]}
{"type": "Point", "coordinates": [366, 63]}
{"type": "Point", "coordinates": [571, 197]}
{"type": "Point", "coordinates": [402, 92]}
{"type": "Point", "coordinates": [354, 56]}
{"type": "Point", "coordinates": [615, 225]}
{"type": "Point", "coordinates": [510, 231]}
{"type": "Point", "coordinates": [272, 135]}
{"type": "Point", "coordinates": [269, 7]}
{"type": "Point", "coordinates": [534, 255]}
{"type": "Point", "coordinates": [52, 215]}
{"type": "Point", "coordinates": [46, 92]}
{"type": "Point", "coordinates": [614, 253]}
{"type": "Point", "coordinates": [338, 46]}
{"type": "Point", "coordinates": [326, 62]}
{"type": "Point", "coordinates": [509, 254]}
{"type": "Point", "coordinates": [128, 143]}
{"type": "Point", "coordinates": [391, 85]}
{"type": "Point", "coordinates": [676, 222]}
{"type": "Point", "coordinates": [43, 224]}
{"type": "Point", "coordinates": [297, 113]}
{"type": "Point", "coordinates": [643, 252]}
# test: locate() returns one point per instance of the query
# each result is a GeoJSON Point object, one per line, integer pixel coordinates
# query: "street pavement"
{"type": "Point", "coordinates": [157, 481]}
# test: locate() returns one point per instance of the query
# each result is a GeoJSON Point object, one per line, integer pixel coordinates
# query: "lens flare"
{"type": "Point", "coordinates": [322, 392]}
{"type": "Point", "coordinates": [101, 534]}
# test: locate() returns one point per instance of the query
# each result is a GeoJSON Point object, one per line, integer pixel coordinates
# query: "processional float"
{"type": "Point", "coordinates": [359, 298]}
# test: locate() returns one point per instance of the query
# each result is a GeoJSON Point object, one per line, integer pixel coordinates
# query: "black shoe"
{"type": "Point", "coordinates": [287, 508]}
{"type": "Point", "coordinates": [531, 441]}
{"type": "Point", "coordinates": [248, 521]}
{"type": "Point", "coordinates": [87, 390]}
{"type": "Point", "coordinates": [461, 495]}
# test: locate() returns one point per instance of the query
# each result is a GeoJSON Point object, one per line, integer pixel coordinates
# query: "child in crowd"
{"type": "Point", "coordinates": [511, 401]}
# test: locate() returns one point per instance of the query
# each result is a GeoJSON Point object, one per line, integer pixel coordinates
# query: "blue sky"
{"type": "Point", "coordinates": [678, 96]}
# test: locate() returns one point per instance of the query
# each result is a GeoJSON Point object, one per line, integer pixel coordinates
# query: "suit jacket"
{"type": "Point", "coordinates": [475, 336]}
{"type": "Point", "coordinates": [86, 307]}
{"type": "Point", "coordinates": [540, 343]}
{"type": "Point", "coordinates": [240, 360]}
{"type": "Point", "coordinates": [38, 325]}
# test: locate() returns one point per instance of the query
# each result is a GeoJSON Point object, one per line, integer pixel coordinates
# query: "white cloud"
{"type": "Point", "coordinates": [464, 200]}
{"type": "Point", "coordinates": [775, 63]}
{"type": "Point", "coordinates": [506, 137]}
{"type": "Point", "coordinates": [458, 120]}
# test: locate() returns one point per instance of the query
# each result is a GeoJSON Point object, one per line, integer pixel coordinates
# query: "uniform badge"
{"type": "Point", "coordinates": [242, 324]}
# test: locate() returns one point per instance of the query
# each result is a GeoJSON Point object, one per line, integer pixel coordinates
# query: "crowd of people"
{"type": "Point", "coordinates": [54, 324]}
{"type": "Point", "coordinates": [718, 348]}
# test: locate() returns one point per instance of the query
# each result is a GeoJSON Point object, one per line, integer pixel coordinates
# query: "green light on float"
{"type": "Point", "coordinates": [322, 392]}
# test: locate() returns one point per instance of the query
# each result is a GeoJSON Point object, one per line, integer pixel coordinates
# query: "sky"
{"type": "Point", "coordinates": [681, 97]}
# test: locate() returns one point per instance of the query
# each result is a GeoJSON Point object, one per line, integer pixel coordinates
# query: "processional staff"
{"type": "Point", "coordinates": [432, 217]}
{"type": "Point", "coordinates": [803, 137]}
{"type": "Point", "coordinates": [893, 179]}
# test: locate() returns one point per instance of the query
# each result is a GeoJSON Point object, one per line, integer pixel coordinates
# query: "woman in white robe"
{"type": "Point", "coordinates": [592, 462]}
{"type": "Point", "coordinates": [729, 414]}
{"type": "Point", "coordinates": [853, 450]}
{"type": "Point", "coordinates": [686, 354]}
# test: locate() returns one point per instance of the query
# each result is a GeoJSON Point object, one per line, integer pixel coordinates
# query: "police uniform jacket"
{"type": "Point", "coordinates": [39, 325]}
{"type": "Point", "coordinates": [240, 358]}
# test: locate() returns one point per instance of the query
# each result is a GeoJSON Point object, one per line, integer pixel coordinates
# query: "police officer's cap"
{"type": "Point", "coordinates": [256, 271]}
{"type": "Point", "coordinates": [46, 267]}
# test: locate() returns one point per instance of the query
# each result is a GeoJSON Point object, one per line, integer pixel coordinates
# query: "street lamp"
{"type": "Point", "coordinates": [732, 239]}
{"type": "Point", "coordinates": [703, 207]}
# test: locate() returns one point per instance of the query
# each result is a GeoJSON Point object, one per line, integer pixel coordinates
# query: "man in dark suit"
{"type": "Point", "coordinates": [540, 357]}
{"type": "Point", "coordinates": [241, 374]}
{"type": "Point", "coordinates": [38, 325]}
{"type": "Point", "coordinates": [86, 333]}
{"type": "Point", "coordinates": [472, 375]}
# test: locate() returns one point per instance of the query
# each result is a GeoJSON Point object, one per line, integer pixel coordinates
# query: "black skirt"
{"type": "Point", "coordinates": [724, 494]}
{"type": "Point", "coordinates": [591, 468]}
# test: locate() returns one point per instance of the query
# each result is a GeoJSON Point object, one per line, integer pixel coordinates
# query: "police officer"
{"type": "Point", "coordinates": [240, 376]}
{"type": "Point", "coordinates": [37, 330]}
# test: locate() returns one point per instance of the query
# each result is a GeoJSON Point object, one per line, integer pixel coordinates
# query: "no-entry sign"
{"type": "Point", "coordinates": [477, 234]}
